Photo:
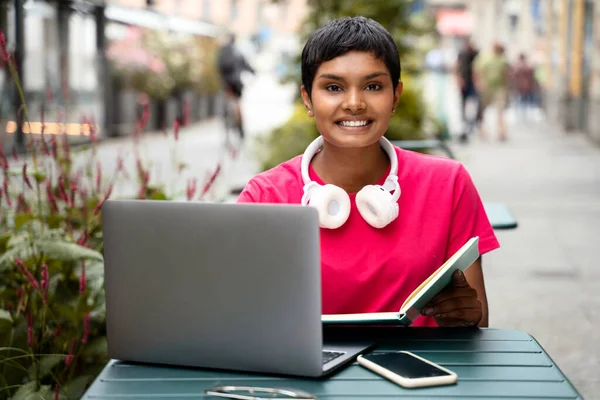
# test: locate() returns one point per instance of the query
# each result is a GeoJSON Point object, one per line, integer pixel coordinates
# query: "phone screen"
{"type": "Point", "coordinates": [405, 365]}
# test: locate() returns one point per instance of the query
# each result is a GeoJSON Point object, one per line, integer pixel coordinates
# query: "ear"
{"type": "Point", "coordinates": [306, 98]}
{"type": "Point", "coordinates": [398, 93]}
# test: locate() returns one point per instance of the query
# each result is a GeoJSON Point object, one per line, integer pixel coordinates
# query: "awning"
{"type": "Point", "coordinates": [454, 22]}
{"type": "Point", "coordinates": [154, 20]}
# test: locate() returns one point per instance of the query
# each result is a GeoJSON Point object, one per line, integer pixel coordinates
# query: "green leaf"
{"type": "Point", "coordinates": [4, 239]}
{"type": "Point", "coordinates": [21, 219]}
{"type": "Point", "coordinates": [54, 248]}
{"type": "Point", "coordinates": [54, 221]}
{"type": "Point", "coordinates": [66, 251]}
{"type": "Point", "coordinates": [97, 347]}
{"type": "Point", "coordinates": [6, 327]}
{"type": "Point", "coordinates": [46, 365]}
{"type": "Point", "coordinates": [77, 386]}
{"type": "Point", "coordinates": [28, 392]}
{"type": "Point", "coordinates": [6, 320]}
{"type": "Point", "coordinates": [40, 176]}
{"type": "Point", "coordinates": [21, 251]}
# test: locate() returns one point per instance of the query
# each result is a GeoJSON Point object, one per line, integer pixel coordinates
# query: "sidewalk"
{"type": "Point", "coordinates": [544, 278]}
{"type": "Point", "coordinates": [200, 146]}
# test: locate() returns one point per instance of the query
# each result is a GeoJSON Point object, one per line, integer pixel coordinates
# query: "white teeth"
{"type": "Point", "coordinates": [354, 123]}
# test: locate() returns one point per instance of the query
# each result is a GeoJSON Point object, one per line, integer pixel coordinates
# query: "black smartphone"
{"type": "Point", "coordinates": [407, 369]}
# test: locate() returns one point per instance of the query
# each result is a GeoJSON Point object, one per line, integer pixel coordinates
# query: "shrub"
{"type": "Point", "coordinates": [52, 308]}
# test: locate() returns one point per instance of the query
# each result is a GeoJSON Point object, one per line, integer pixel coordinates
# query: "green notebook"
{"type": "Point", "coordinates": [411, 308]}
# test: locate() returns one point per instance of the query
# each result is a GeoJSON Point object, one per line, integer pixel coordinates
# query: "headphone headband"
{"type": "Point", "coordinates": [316, 144]}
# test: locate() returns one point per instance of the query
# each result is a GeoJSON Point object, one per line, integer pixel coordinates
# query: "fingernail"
{"type": "Point", "coordinates": [428, 311]}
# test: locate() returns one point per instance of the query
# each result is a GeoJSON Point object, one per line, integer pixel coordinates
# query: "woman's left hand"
{"type": "Point", "coordinates": [456, 305]}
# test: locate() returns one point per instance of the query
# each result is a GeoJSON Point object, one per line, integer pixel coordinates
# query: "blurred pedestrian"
{"type": "Point", "coordinates": [492, 82]}
{"type": "Point", "coordinates": [524, 85]}
{"type": "Point", "coordinates": [466, 83]}
{"type": "Point", "coordinates": [232, 64]}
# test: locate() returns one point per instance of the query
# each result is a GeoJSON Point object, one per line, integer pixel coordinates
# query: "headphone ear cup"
{"type": "Point", "coordinates": [376, 205]}
{"type": "Point", "coordinates": [333, 205]}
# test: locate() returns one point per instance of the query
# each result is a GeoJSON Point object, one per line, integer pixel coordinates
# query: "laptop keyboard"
{"type": "Point", "coordinates": [331, 355]}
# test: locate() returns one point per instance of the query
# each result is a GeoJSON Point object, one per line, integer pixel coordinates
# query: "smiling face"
{"type": "Point", "coordinates": [353, 98]}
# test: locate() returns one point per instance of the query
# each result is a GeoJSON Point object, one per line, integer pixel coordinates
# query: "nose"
{"type": "Point", "coordinates": [353, 101]}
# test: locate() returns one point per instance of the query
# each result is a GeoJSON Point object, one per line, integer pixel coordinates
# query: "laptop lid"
{"type": "Point", "coordinates": [231, 286]}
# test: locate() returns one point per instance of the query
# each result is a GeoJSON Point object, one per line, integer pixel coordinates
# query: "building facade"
{"type": "Point", "coordinates": [62, 49]}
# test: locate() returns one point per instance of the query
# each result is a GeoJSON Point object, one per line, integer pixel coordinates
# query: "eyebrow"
{"type": "Point", "coordinates": [339, 78]}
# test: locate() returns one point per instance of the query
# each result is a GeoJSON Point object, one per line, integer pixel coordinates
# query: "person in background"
{"type": "Point", "coordinates": [465, 80]}
{"type": "Point", "coordinates": [232, 64]}
{"type": "Point", "coordinates": [524, 84]}
{"type": "Point", "coordinates": [492, 73]}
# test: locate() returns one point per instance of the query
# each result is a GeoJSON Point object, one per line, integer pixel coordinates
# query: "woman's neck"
{"type": "Point", "coordinates": [351, 168]}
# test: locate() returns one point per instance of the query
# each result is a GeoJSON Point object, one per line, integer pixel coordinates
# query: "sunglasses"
{"type": "Point", "coordinates": [257, 393]}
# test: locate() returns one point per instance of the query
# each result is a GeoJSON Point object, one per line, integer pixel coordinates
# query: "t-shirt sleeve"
{"type": "Point", "coordinates": [252, 193]}
{"type": "Point", "coordinates": [469, 218]}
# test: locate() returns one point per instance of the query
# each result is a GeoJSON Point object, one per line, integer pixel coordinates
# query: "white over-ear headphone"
{"type": "Point", "coordinates": [376, 204]}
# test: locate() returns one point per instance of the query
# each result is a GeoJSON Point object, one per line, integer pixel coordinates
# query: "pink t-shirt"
{"type": "Point", "coordinates": [365, 269]}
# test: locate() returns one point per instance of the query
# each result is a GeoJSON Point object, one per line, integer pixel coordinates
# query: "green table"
{"type": "Point", "coordinates": [500, 216]}
{"type": "Point", "coordinates": [490, 363]}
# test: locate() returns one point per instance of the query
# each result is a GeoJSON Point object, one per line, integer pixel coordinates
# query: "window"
{"type": "Point", "coordinates": [206, 9]}
{"type": "Point", "coordinates": [234, 10]}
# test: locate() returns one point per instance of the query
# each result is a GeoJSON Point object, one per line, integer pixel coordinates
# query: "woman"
{"type": "Point", "coordinates": [389, 217]}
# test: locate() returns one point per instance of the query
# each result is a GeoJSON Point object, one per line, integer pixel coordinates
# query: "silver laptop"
{"type": "Point", "coordinates": [224, 286]}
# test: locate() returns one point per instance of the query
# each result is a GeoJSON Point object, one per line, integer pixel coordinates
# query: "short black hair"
{"type": "Point", "coordinates": [345, 34]}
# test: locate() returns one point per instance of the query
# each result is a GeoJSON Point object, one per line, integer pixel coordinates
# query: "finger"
{"type": "Point", "coordinates": [452, 294]}
{"type": "Point", "coordinates": [457, 303]}
{"type": "Point", "coordinates": [466, 314]}
{"type": "Point", "coordinates": [459, 279]}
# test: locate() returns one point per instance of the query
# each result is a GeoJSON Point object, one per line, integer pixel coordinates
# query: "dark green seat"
{"type": "Point", "coordinates": [425, 144]}
{"type": "Point", "coordinates": [500, 216]}
{"type": "Point", "coordinates": [490, 363]}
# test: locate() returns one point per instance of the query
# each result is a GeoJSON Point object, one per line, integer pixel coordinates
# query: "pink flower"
{"type": "Point", "coordinates": [45, 282]}
{"type": "Point", "coordinates": [25, 177]}
{"type": "Point", "coordinates": [62, 190]}
{"type": "Point", "coordinates": [6, 193]}
{"type": "Point", "coordinates": [51, 198]}
{"type": "Point", "coordinates": [5, 55]}
{"type": "Point", "coordinates": [176, 128]}
{"type": "Point", "coordinates": [3, 161]}
{"type": "Point", "coordinates": [30, 337]}
{"type": "Point", "coordinates": [211, 180]}
{"type": "Point", "coordinates": [191, 188]}
{"type": "Point", "coordinates": [57, 331]}
{"type": "Point", "coordinates": [106, 196]}
{"type": "Point", "coordinates": [82, 241]}
{"type": "Point", "coordinates": [34, 283]}
{"type": "Point", "coordinates": [73, 193]}
{"type": "Point", "coordinates": [98, 176]}
{"type": "Point", "coordinates": [86, 327]}
{"type": "Point", "coordinates": [82, 279]}
{"type": "Point", "coordinates": [69, 358]}
{"type": "Point", "coordinates": [22, 205]}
